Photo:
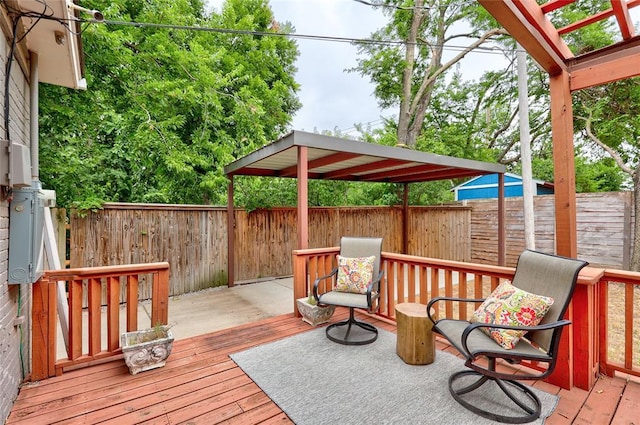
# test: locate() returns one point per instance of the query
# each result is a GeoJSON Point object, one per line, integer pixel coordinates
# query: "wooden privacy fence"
{"type": "Point", "coordinates": [193, 239]}
{"type": "Point", "coordinates": [604, 228]}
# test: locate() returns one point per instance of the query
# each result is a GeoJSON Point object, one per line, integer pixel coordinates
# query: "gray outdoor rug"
{"type": "Point", "coordinates": [316, 381]}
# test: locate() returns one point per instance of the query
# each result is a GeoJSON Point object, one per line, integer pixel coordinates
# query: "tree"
{"type": "Point", "coordinates": [610, 117]}
{"type": "Point", "coordinates": [407, 75]}
{"type": "Point", "coordinates": [454, 116]}
{"type": "Point", "coordinates": [166, 108]}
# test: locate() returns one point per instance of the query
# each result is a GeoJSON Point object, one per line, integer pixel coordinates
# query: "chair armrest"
{"type": "Point", "coordinates": [320, 279]}
{"type": "Point", "coordinates": [432, 301]}
{"type": "Point", "coordinates": [544, 327]}
{"type": "Point", "coordinates": [370, 287]}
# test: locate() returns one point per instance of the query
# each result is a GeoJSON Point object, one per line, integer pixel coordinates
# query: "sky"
{"type": "Point", "coordinates": [332, 98]}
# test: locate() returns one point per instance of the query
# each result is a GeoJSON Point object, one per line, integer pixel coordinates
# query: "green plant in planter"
{"type": "Point", "coordinates": [312, 313]}
{"type": "Point", "coordinates": [146, 349]}
{"type": "Point", "coordinates": [159, 331]}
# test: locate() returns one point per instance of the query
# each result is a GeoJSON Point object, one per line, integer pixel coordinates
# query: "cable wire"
{"type": "Point", "coordinates": [485, 49]}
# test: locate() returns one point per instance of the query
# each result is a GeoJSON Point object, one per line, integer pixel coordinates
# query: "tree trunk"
{"type": "Point", "coordinates": [404, 119]}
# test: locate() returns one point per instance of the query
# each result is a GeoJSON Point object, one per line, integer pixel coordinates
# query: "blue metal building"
{"type": "Point", "coordinates": [486, 186]}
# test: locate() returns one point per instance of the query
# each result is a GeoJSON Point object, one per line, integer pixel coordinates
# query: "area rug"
{"type": "Point", "coordinates": [316, 381]}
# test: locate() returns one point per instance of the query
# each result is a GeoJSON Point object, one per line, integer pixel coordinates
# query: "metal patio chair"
{"type": "Point", "coordinates": [352, 331]}
{"type": "Point", "coordinates": [537, 273]}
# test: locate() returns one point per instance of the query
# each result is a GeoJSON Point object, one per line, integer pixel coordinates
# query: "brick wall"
{"type": "Point", "coordinates": [14, 299]}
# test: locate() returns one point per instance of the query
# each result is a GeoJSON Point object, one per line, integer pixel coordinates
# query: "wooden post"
{"type": "Point", "coordinates": [502, 226]}
{"type": "Point", "coordinates": [94, 292]}
{"type": "Point", "coordinates": [231, 226]}
{"type": "Point", "coordinates": [299, 279]}
{"type": "Point", "coordinates": [160, 298]}
{"type": "Point", "coordinates": [113, 313]}
{"type": "Point", "coordinates": [132, 302]}
{"type": "Point", "coordinates": [303, 198]}
{"type": "Point", "coordinates": [577, 360]}
{"type": "Point", "coordinates": [565, 206]}
{"type": "Point", "coordinates": [43, 350]}
{"type": "Point", "coordinates": [562, 376]}
{"type": "Point", "coordinates": [405, 219]}
{"type": "Point", "coordinates": [563, 165]}
{"type": "Point", "coordinates": [585, 329]}
{"type": "Point", "coordinates": [75, 318]}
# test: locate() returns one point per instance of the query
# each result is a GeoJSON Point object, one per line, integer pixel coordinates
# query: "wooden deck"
{"type": "Point", "coordinates": [200, 384]}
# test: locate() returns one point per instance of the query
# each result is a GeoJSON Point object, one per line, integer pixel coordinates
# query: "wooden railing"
{"type": "Point", "coordinates": [407, 278]}
{"type": "Point", "coordinates": [88, 283]}
{"type": "Point", "coordinates": [619, 330]}
{"type": "Point", "coordinates": [417, 279]}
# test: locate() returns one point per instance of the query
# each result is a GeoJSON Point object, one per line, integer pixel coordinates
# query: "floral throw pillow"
{"type": "Point", "coordinates": [508, 305]}
{"type": "Point", "coordinates": [354, 274]}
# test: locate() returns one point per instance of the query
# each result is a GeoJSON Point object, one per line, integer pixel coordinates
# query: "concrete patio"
{"type": "Point", "coordinates": [214, 309]}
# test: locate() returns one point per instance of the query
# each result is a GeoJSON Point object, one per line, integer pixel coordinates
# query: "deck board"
{"type": "Point", "coordinates": [200, 384]}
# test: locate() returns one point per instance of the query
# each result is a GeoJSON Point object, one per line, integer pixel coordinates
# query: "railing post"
{"type": "Point", "coordinates": [299, 279]}
{"type": "Point", "coordinates": [160, 298]}
{"type": "Point", "coordinates": [563, 374]}
{"type": "Point", "coordinates": [43, 350]}
{"type": "Point", "coordinates": [585, 329]}
{"type": "Point", "coordinates": [577, 357]}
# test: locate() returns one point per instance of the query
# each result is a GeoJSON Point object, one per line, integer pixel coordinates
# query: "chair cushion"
{"type": "Point", "coordinates": [354, 274]}
{"type": "Point", "coordinates": [508, 305]}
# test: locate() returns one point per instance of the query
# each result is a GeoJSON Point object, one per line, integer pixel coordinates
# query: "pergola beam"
{"type": "Point", "coordinates": [621, 12]}
{"type": "Point", "coordinates": [617, 62]}
{"type": "Point", "coordinates": [527, 24]}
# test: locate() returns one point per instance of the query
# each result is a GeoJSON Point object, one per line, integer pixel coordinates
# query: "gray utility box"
{"type": "Point", "coordinates": [26, 229]}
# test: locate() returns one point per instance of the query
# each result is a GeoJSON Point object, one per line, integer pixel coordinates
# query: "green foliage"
{"type": "Point", "coordinates": [166, 109]}
{"type": "Point", "coordinates": [311, 300]}
{"type": "Point", "coordinates": [601, 175]}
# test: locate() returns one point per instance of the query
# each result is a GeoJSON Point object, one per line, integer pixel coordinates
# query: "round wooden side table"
{"type": "Point", "coordinates": [415, 342]}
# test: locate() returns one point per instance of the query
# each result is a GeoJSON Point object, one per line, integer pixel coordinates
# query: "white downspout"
{"type": "Point", "coordinates": [34, 123]}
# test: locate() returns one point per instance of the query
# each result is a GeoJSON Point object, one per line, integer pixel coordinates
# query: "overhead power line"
{"type": "Point", "coordinates": [335, 39]}
{"type": "Point", "coordinates": [392, 6]}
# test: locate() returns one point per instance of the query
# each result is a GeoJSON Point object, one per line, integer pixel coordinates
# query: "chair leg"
{"type": "Point", "coordinates": [341, 332]}
{"type": "Point", "coordinates": [522, 395]}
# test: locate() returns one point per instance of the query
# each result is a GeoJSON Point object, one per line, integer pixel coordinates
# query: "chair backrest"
{"type": "Point", "coordinates": [362, 247]}
{"type": "Point", "coordinates": [552, 276]}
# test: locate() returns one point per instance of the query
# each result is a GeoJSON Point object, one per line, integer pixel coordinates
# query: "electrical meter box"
{"type": "Point", "coordinates": [26, 230]}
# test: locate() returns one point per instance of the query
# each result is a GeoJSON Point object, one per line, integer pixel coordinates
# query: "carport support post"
{"type": "Point", "coordinates": [502, 227]}
{"type": "Point", "coordinates": [405, 219]}
{"type": "Point", "coordinates": [300, 289]}
{"type": "Point", "coordinates": [303, 198]}
{"type": "Point", "coordinates": [231, 224]}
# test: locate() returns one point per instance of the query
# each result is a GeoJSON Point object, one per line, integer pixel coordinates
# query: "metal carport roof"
{"type": "Point", "coordinates": [333, 158]}
{"type": "Point", "coordinates": [306, 156]}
